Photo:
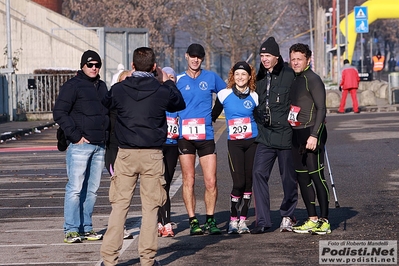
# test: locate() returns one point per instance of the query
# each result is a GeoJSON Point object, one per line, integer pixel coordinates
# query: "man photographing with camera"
{"type": "Point", "coordinates": [273, 83]}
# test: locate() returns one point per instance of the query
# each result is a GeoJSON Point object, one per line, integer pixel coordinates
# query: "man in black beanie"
{"type": "Point", "coordinates": [273, 83]}
{"type": "Point", "coordinates": [80, 114]}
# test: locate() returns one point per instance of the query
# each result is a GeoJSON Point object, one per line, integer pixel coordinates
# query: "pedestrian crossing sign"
{"type": "Point", "coordinates": [361, 19]}
{"type": "Point", "coordinates": [360, 12]}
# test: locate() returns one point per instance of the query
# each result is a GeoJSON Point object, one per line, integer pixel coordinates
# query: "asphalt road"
{"type": "Point", "coordinates": [363, 153]}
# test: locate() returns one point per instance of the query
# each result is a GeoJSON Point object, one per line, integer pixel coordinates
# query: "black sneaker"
{"type": "Point", "coordinates": [259, 230]}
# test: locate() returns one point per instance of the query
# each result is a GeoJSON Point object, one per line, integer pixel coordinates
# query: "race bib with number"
{"type": "Point", "coordinates": [193, 129]}
{"type": "Point", "coordinates": [173, 127]}
{"type": "Point", "coordinates": [240, 128]}
{"type": "Point", "coordinates": [293, 116]}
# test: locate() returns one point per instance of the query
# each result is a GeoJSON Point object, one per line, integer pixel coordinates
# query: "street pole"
{"type": "Point", "coordinates": [338, 47]}
{"type": "Point", "coordinates": [311, 31]}
{"type": "Point", "coordinates": [346, 30]}
{"type": "Point", "coordinates": [9, 63]}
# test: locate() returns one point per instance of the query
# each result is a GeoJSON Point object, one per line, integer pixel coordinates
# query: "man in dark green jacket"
{"type": "Point", "coordinates": [274, 79]}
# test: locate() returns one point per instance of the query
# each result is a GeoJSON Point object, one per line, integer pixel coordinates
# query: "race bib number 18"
{"type": "Point", "coordinates": [173, 127]}
{"type": "Point", "coordinates": [193, 129]}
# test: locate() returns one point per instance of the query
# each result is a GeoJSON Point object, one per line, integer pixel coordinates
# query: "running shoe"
{"type": "Point", "coordinates": [211, 227]}
{"type": "Point", "coordinates": [72, 237]}
{"type": "Point", "coordinates": [126, 234]}
{"type": "Point", "coordinates": [195, 229]}
{"type": "Point", "coordinates": [242, 227]}
{"type": "Point", "coordinates": [167, 230]}
{"type": "Point", "coordinates": [306, 227]}
{"type": "Point", "coordinates": [286, 224]}
{"type": "Point", "coordinates": [92, 236]}
{"type": "Point", "coordinates": [233, 227]}
{"type": "Point", "coordinates": [323, 227]}
{"type": "Point", "coordinates": [160, 229]}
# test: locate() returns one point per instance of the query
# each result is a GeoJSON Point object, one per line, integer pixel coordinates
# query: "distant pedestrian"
{"type": "Point", "coordinates": [392, 64]}
{"type": "Point", "coordinates": [378, 65]}
{"type": "Point", "coordinates": [115, 77]}
{"type": "Point", "coordinates": [239, 100]}
{"type": "Point", "coordinates": [349, 83]}
{"type": "Point", "coordinates": [84, 120]}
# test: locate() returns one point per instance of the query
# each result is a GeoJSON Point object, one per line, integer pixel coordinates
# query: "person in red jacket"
{"type": "Point", "coordinates": [349, 83]}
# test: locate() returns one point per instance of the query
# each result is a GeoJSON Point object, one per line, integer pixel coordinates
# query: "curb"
{"type": "Point", "coordinates": [21, 132]}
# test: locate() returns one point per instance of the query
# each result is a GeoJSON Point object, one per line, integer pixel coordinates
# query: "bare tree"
{"type": "Point", "coordinates": [234, 29]}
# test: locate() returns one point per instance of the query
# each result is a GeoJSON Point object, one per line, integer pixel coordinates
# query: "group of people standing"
{"type": "Point", "coordinates": [158, 117]}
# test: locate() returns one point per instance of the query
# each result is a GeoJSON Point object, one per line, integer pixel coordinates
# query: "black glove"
{"type": "Point", "coordinates": [340, 89]}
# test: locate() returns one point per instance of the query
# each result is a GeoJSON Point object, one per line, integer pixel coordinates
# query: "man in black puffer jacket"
{"type": "Point", "coordinates": [274, 138]}
{"type": "Point", "coordinates": [84, 120]}
{"type": "Point", "coordinates": [141, 130]}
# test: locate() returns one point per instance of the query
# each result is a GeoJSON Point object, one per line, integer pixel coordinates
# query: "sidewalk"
{"type": "Point", "coordinates": [9, 130]}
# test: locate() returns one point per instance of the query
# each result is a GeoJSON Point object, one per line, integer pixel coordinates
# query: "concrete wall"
{"type": "Point", "coordinates": [36, 34]}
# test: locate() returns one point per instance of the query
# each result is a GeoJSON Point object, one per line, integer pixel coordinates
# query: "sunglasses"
{"type": "Point", "coordinates": [90, 65]}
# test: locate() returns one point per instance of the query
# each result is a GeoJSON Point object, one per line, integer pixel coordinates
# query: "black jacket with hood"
{"type": "Point", "coordinates": [78, 109]}
{"type": "Point", "coordinates": [141, 103]}
{"type": "Point", "coordinates": [278, 134]}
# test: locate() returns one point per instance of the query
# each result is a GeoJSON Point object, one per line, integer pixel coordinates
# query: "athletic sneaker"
{"type": "Point", "coordinates": [323, 227]}
{"type": "Point", "coordinates": [72, 237]}
{"type": "Point", "coordinates": [211, 227]}
{"type": "Point", "coordinates": [286, 224]}
{"type": "Point", "coordinates": [306, 227]}
{"type": "Point", "coordinates": [167, 230]}
{"type": "Point", "coordinates": [126, 234]}
{"type": "Point", "coordinates": [195, 229]}
{"type": "Point", "coordinates": [233, 227]}
{"type": "Point", "coordinates": [160, 229]}
{"type": "Point", "coordinates": [92, 236]}
{"type": "Point", "coordinates": [242, 227]}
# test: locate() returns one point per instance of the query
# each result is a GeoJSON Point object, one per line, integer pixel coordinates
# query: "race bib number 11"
{"type": "Point", "coordinates": [193, 129]}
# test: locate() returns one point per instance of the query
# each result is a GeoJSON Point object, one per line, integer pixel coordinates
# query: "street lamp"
{"type": "Point", "coordinates": [328, 36]}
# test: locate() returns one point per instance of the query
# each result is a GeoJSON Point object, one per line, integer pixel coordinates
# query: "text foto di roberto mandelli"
{"type": "Point", "coordinates": [355, 251]}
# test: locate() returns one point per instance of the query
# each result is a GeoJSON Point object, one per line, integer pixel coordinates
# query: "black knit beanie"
{"type": "Point", "coordinates": [270, 46]}
{"type": "Point", "coordinates": [88, 56]}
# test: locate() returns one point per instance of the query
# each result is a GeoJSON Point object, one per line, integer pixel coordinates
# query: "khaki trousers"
{"type": "Point", "coordinates": [131, 164]}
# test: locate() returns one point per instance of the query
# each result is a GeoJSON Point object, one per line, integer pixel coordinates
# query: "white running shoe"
{"type": "Point", "coordinates": [242, 227]}
{"type": "Point", "coordinates": [286, 224]}
{"type": "Point", "coordinates": [233, 227]}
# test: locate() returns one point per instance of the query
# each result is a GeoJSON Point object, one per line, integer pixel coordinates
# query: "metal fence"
{"type": "Point", "coordinates": [3, 95]}
{"type": "Point", "coordinates": [36, 93]}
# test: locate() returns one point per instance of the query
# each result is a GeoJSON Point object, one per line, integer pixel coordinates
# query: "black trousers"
{"type": "Point", "coordinates": [263, 165]}
{"type": "Point", "coordinates": [309, 166]}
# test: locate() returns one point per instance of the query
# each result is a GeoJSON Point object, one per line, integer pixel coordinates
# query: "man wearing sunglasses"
{"type": "Point", "coordinates": [84, 120]}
